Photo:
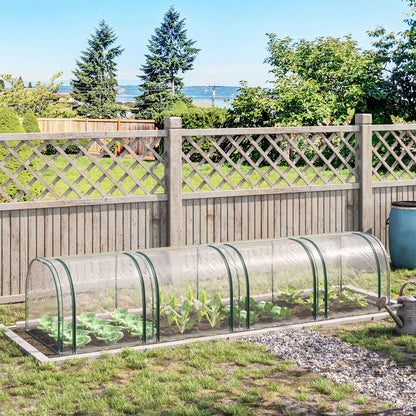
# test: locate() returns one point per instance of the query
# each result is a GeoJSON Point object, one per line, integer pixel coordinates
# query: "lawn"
{"type": "Point", "coordinates": [202, 378]}
{"type": "Point", "coordinates": [95, 173]}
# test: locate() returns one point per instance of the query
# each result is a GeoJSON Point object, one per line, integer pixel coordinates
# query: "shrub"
{"type": "Point", "coordinates": [9, 122]}
{"type": "Point", "coordinates": [30, 123]}
{"type": "Point", "coordinates": [194, 117]}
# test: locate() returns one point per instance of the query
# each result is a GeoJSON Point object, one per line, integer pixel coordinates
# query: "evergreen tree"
{"type": "Point", "coordinates": [30, 123]}
{"type": "Point", "coordinates": [95, 83]}
{"type": "Point", "coordinates": [171, 52]}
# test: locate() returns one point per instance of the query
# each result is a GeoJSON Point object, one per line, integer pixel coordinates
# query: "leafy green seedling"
{"type": "Point", "coordinates": [119, 316]}
{"type": "Point", "coordinates": [182, 318]}
{"type": "Point", "coordinates": [110, 334]}
{"type": "Point", "coordinates": [138, 330]}
{"type": "Point", "coordinates": [243, 314]}
{"type": "Point", "coordinates": [290, 294]}
{"type": "Point", "coordinates": [252, 303]}
{"type": "Point", "coordinates": [97, 326]}
{"type": "Point", "coordinates": [200, 305]}
{"type": "Point", "coordinates": [189, 294]}
{"type": "Point", "coordinates": [133, 324]}
{"type": "Point", "coordinates": [308, 303]}
{"type": "Point", "coordinates": [85, 319]}
{"type": "Point", "coordinates": [64, 327]}
{"type": "Point", "coordinates": [82, 338]}
{"type": "Point", "coordinates": [352, 299]}
{"type": "Point", "coordinates": [46, 323]}
{"type": "Point", "coordinates": [272, 310]}
{"type": "Point", "coordinates": [170, 309]}
{"type": "Point", "coordinates": [213, 309]}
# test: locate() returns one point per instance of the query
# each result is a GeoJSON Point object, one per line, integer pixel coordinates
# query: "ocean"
{"type": "Point", "coordinates": [127, 93]}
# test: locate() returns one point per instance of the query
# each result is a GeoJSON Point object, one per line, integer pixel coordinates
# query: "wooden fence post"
{"type": "Point", "coordinates": [173, 175]}
{"type": "Point", "coordinates": [364, 162]}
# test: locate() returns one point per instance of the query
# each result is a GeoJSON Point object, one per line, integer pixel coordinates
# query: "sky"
{"type": "Point", "coordinates": [43, 37]}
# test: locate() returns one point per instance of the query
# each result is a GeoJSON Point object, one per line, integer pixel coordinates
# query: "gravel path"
{"type": "Point", "coordinates": [342, 362]}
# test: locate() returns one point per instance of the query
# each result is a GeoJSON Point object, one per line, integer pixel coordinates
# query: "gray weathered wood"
{"type": "Point", "coordinates": [364, 160]}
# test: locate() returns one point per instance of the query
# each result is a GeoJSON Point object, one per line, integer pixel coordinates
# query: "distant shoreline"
{"type": "Point", "coordinates": [127, 93]}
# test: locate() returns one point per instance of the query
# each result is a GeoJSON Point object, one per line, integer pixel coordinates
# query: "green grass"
{"type": "Point", "coordinates": [212, 378]}
{"type": "Point", "coordinates": [202, 378]}
{"type": "Point", "coordinates": [95, 171]}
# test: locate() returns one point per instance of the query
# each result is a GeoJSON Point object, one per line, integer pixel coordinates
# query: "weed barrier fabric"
{"type": "Point", "coordinates": [83, 303]}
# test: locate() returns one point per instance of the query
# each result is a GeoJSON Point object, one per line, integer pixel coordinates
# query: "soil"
{"type": "Point", "coordinates": [298, 313]}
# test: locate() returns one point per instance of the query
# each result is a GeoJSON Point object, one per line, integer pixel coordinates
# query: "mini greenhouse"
{"type": "Point", "coordinates": [92, 302]}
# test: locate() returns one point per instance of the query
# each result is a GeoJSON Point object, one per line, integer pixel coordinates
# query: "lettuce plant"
{"type": "Point", "coordinates": [119, 316]}
{"type": "Point", "coordinates": [272, 310]}
{"type": "Point", "coordinates": [109, 334]}
{"type": "Point", "coordinates": [46, 323]}
{"type": "Point", "coordinates": [85, 319]}
{"type": "Point", "coordinates": [242, 318]}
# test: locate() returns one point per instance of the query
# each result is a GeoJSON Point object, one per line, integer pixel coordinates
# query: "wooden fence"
{"type": "Point", "coordinates": [200, 186]}
{"type": "Point", "coordinates": [65, 125]}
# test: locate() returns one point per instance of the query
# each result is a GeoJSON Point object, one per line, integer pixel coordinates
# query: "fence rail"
{"type": "Point", "coordinates": [194, 187]}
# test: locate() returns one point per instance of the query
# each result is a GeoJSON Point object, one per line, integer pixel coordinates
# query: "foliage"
{"type": "Point", "coordinates": [95, 81]}
{"type": "Point", "coordinates": [179, 313]}
{"type": "Point", "coordinates": [41, 99]}
{"type": "Point", "coordinates": [9, 122]}
{"type": "Point", "coordinates": [396, 53]}
{"type": "Point", "coordinates": [253, 106]}
{"type": "Point", "coordinates": [213, 309]}
{"type": "Point", "coordinates": [352, 298]}
{"type": "Point", "coordinates": [194, 117]}
{"type": "Point", "coordinates": [200, 305]}
{"type": "Point", "coordinates": [290, 294]}
{"type": "Point", "coordinates": [63, 331]}
{"type": "Point", "coordinates": [30, 123]}
{"type": "Point", "coordinates": [170, 52]}
{"type": "Point", "coordinates": [323, 298]}
{"type": "Point", "coordinates": [319, 82]}
{"type": "Point", "coordinates": [109, 334]}
{"type": "Point", "coordinates": [272, 310]}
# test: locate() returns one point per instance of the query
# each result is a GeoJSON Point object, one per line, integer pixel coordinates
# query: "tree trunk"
{"type": "Point", "coordinates": [172, 92]}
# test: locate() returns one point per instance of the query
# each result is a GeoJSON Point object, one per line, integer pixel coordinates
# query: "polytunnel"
{"type": "Point", "coordinates": [99, 301]}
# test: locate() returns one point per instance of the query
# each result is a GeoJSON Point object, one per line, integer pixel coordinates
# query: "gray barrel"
{"type": "Point", "coordinates": [402, 234]}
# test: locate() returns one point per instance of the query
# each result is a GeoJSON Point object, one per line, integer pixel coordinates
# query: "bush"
{"type": "Point", "coordinates": [194, 117]}
{"type": "Point", "coordinates": [30, 123]}
{"type": "Point", "coordinates": [9, 122]}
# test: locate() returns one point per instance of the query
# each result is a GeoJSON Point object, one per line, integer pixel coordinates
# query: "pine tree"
{"type": "Point", "coordinates": [95, 83]}
{"type": "Point", "coordinates": [170, 53]}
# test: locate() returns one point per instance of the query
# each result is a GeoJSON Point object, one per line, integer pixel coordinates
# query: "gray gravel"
{"type": "Point", "coordinates": [340, 361]}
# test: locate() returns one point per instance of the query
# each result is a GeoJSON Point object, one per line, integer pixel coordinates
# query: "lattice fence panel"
{"type": "Point", "coordinates": [250, 161]}
{"type": "Point", "coordinates": [394, 155]}
{"type": "Point", "coordinates": [60, 169]}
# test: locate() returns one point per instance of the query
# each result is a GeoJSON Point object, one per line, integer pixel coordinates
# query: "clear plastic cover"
{"type": "Point", "coordinates": [99, 301]}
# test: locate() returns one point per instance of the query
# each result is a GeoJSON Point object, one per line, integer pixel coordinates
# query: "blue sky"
{"type": "Point", "coordinates": [43, 37]}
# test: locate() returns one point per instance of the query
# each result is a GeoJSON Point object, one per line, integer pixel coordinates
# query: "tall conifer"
{"type": "Point", "coordinates": [170, 52]}
{"type": "Point", "coordinates": [95, 83]}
